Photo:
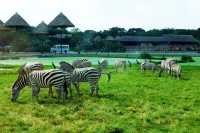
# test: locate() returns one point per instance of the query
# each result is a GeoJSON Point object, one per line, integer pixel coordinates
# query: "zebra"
{"type": "Point", "coordinates": [32, 66]}
{"type": "Point", "coordinates": [148, 66]}
{"type": "Point", "coordinates": [41, 79]}
{"type": "Point", "coordinates": [88, 74]}
{"type": "Point", "coordinates": [81, 63]}
{"type": "Point", "coordinates": [120, 64]}
{"type": "Point", "coordinates": [102, 64]}
{"type": "Point", "coordinates": [29, 67]}
{"type": "Point", "coordinates": [176, 70]}
{"type": "Point", "coordinates": [166, 65]}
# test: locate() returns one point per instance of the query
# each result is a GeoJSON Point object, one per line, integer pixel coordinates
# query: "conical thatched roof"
{"type": "Point", "coordinates": [61, 21]}
{"type": "Point", "coordinates": [42, 28]}
{"type": "Point", "coordinates": [1, 23]}
{"type": "Point", "coordinates": [16, 21]}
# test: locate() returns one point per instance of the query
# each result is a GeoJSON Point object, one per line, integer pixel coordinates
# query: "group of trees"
{"type": "Point", "coordinates": [88, 40]}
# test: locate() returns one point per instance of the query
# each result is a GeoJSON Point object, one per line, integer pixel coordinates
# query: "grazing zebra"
{"type": "Point", "coordinates": [176, 70]}
{"type": "Point", "coordinates": [166, 65]}
{"type": "Point", "coordinates": [148, 66]}
{"type": "Point", "coordinates": [42, 79]}
{"type": "Point", "coordinates": [102, 64]}
{"type": "Point", "coordinates": [120, 64]}
{"type": "Point", "coordinates": [81, 63]}
{"type": "Point", "coordinates": [29, 67]}
{"type": "Point", "coordinates": [88, 74]}
{"type": "Point", "coordinates": [129, 63]}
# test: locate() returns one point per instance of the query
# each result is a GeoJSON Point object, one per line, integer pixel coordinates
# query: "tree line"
{"type": "Point", "coordinates": [88, 40]}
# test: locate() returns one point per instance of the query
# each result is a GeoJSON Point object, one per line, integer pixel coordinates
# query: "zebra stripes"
{"type": "Point", "coordinates": [48, 78]}
{"type": "Point", "coordinates": [90, 75]}
{"type": "Point", "coordinates": [87, 74]}
{"type": "Point", "coordinates": [41, 79]}
{"type": "Point", "coordinates": [81, 63]}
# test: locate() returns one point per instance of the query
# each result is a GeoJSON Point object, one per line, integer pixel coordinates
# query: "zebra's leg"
{"type": "Point", "coordinates": [35, 92]}
{"type": "Point", "coordinates": [77, 86]}
{"type": "Point", "coordinates": [50, 91]}
{"type": "Point", "coordinates": [97, 90]}
{"type": "Point", "coordinates": [59, 93]}
{"type": "Point", "coordinates": [70, 90]}
{"type": "Point", "coordinates": [63, 93]}
{"type": "Point", "coordinates": [92, 88]}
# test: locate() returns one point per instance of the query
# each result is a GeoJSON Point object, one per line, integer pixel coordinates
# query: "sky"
{"type": "Point", "coordinates": [104, 14]}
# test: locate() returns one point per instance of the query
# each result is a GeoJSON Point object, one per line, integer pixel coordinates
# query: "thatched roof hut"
{"type": "Point", "coordinates": [1, 23]}
{"type": "Point", "coordinates": [42, 28]}
{"type": "Point", "coordinates": [61, 21]}
{"type": "Point", "coordinates": [16, 21]}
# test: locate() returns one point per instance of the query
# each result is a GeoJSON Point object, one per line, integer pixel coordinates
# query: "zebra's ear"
{"type": "Point", "coordinates": [21, 69]}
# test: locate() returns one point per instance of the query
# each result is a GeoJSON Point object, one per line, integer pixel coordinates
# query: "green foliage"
{"type": "Point", "coordinates": [17, 40]}
{"type": "Point", "coordinates": [186, 58]}
{"type": "Point", "coordinates": [145, 55]}
{"type": "Point", "coordinates": [40, 44]}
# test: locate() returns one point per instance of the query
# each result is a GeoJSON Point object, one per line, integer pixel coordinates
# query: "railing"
{"type": "Point", "coordinates": [134, 54]}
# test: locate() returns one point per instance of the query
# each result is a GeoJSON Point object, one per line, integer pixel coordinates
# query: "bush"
{"type": "Point", "coordinates": [186, 58]}
{"type": "Point", "coordinates": [145, 56]}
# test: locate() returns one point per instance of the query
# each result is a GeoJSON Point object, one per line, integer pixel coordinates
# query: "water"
{"type": "Point", "coordinates": [56, 60]}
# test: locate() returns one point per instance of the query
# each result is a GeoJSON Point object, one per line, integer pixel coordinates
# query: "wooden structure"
{"type": "Point", "coordinates": [58, 25]}
{"type": "Point", "coordinates": [159, 43]}
{"type": "Point", "coordinates": [17, 22]}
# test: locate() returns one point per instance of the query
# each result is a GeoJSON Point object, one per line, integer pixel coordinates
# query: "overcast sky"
{"type": "Point", "coordinates": [103, 14]}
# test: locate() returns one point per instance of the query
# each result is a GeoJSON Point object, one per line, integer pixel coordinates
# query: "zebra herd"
{"type": "Point", "coordinates": [169, 66]}
{"type": "Point", "coordinates": [65, 75]}
{"type": "Point", "coordinates": [34, 75]}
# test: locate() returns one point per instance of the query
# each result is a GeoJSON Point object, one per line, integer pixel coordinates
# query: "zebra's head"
{"type": "Point", "coordinates": [19, 84]}
{"type": "Point", "coordinates": [66, 67]}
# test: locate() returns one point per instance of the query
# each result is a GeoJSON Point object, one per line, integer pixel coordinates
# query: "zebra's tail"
{"type": "Point", "coordinates": [53, 65]}
{"type": "Point", "coordinates": [108, 75]}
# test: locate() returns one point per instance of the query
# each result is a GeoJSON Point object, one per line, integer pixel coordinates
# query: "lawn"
{"type": "Point", "coordinates": [131, 102]}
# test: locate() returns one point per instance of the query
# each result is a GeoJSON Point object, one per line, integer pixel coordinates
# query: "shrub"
{"type": "Point", "coordinates": [186, 58]}
{"type": "Point", "coordinates": [145, 56]}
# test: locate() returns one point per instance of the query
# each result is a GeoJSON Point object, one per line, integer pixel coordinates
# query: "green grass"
{"type": "Point", "coordinates": [131, 102]}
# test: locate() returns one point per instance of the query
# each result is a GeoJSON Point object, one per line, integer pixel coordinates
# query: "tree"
{"type": "Point", "coordinates": [136, 31]}
{"type": "Point", "coordinates": [116, 31]}
{"type": "Point", "coordinates": [76, 38]}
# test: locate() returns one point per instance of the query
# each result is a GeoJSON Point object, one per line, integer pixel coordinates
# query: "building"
{"type": "Point", "coordinates": [159, 43]}
{"type": "Point", "coordinates": [16, 22]}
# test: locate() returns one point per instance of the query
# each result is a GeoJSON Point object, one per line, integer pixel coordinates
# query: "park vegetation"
{"type": "Point", "coordinates": [88, 40]}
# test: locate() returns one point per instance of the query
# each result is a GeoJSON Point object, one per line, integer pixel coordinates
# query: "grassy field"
{"type": "Point", "coordinates": [94, 60]}
{"type": "Point", "coordinates": [132, 102]}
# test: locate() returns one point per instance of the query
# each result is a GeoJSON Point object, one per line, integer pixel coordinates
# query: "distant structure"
{"type": "Point", "coordinates": [61, 21]}
{"type": "Point", "coordinates": [158, 43]}
{"type": "Point", "coordinates": [17, 22]}
{"type": "Point", "coordinates": [1, 23]}
{"type": "Point", "coordinates": [42, 28]}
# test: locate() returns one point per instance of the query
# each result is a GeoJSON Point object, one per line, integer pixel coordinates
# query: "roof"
{"type": "Point", "coordinates": [16, 21]}
{"type": "Point", "coordinates": [61, 21]}
{"type": "Point", "coordinates": [180, 38]}
{"type": "Point", "coordinates": [42, 28]}
{"type": "Point", "coordinates": [158, 39]}
{"type": "Point", "coordinates": [1, 23]}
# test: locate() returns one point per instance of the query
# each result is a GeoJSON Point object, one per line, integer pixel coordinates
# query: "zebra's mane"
{"type": "Point", "coordinates": [66, 66]}
{"type": "Point", "coordinates": [21, 69]}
